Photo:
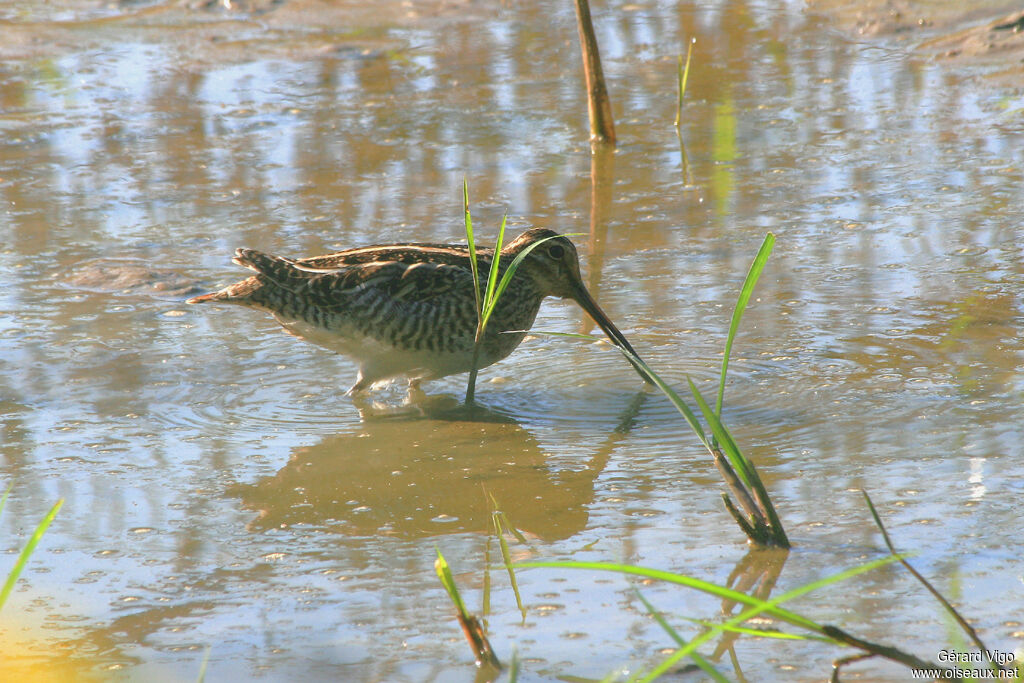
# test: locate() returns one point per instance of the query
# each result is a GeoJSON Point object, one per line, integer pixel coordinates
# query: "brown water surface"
{"type": "Point", "coordinates": [222, 493]}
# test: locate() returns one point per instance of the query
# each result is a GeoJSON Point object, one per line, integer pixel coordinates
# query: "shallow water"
{"type": "Point", "coordinates": [222, 493]}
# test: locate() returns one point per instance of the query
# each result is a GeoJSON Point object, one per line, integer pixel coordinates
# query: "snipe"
{"type": "Point", "coordinates": [409, 309]}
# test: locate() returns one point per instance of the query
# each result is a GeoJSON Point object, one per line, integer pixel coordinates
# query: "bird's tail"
{"type": "Point", "coordinates": [280, 271]}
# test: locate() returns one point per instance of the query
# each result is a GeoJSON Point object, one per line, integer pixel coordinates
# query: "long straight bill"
{"type": "Point", "coordinates": [583, 298]}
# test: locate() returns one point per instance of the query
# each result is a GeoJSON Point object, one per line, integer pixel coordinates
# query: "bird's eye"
{"type": "Point", "coordinates": [556, 251]}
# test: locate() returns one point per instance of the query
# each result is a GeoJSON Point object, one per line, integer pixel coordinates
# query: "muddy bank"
{"type": "Point", "coordinates": [218, 30]}
{"type": "Point", "coordinates": [987, 36]}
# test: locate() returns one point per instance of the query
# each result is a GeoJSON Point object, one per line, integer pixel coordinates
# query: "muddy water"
{"type": "Point", "coordinates": [221, 492]}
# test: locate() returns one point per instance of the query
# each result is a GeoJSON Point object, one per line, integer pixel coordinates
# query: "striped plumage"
{"type": "Point", "coordinates": [409, 309]}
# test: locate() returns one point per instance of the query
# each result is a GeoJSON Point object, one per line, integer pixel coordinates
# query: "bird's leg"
{"type": "Point", "coordinates": [415, 394]}
{"type": "Point", "coordinates": [361, 385]}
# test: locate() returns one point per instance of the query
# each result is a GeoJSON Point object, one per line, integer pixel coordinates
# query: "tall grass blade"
{"type": "Point", "coordinates": [748, 288]}
{"type": "Point", "coordinates": [506, 556]}
{"type": "Point", "coordinates": [486, 304]}
{"type": "Point", "coordinates": [747, 472]}
{"type": "Point", "coordinates": [474, 267]}
{"type": "Point", "coordinates": [26, 552]}
{"type": "Point", "coordinates": [722, 436]}
{"type": "Point", "coordinates": [472, 244]}
{"type": "Point", "coordinates": [774, 534]}
{"type": "Point", "coordinates": [514, 531]}
{"type": "Point", "coordinates": [485, 607]}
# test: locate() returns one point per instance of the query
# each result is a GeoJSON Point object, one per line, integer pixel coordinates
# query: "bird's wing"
{"type": "Point", "coordinates": [400, 286]}
{"type": "Point", "coordinates": [408, 253]}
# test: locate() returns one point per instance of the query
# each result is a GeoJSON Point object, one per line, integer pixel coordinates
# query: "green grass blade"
{"type": "Point", "coordinates": [658, 617]}
{"type": "Point", "coordinates": [513, 666]}
{"type": "Point", "coordinates": [683, 75]}
{"type": "Point", "coordinates": [472, 627]}
{"type": "Point", "coordinates": [682, 580]}
{"type": "Point", "coordinates": [672, 396]}
{"type": "Point", "coordinates": [570, 335]}
{"type": "Point", "coordinates": [492, 275]}
{"type": "Point", "coordinates": [444, 573]}
{"type": "Point", "coordinates": [760, 632]}
{"type": "Point", "coordinates": [26, 552]}
{"type": "Point", "coordinates": [514, 531]}
{"type": "Point", "coordinates": [757, 606]}
{"type": "Point", "coordinates": [507, 277]}
{"type": "Point", "coordinates": [496, 510]}
{"type": "Point", "coordinates": [878, 522]}
{"type": "Point", "coordinates": [767, 607]}
{"type": "Point", "coordinates": [204, 664]}
{"type": "Point", "coordinates": [485, 608]}
{"type": "Point", "coordinates": [475, 269]}
{"type": "Point", "coordinates": [745, 292]}
{"type": "Point", "coordinates": [746, 470]}
{"type": "Point", "coordinates": [506, 555]}
{"type": "Point", "coordinates": [472, 246]}
{"type": "Point", "coordinates": [686, 69]}
{"type": "Point", "coordinates": [679, 91]}
{"type": "Point", "coordinates": [3, 501]}
{"type": "Point", "coordinates": [704, 664]}
{"type": "Point", "coordinates": [722, 436]}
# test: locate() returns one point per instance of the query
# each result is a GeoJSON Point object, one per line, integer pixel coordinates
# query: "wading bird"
{"type": "Point", "coordinates": [409, 310]}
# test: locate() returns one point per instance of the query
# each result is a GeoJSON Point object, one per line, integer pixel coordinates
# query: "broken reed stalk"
{"type": "Point", "coordinates": [599, 107]}
{"type": "Point", "coordinates": [838, 664]}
